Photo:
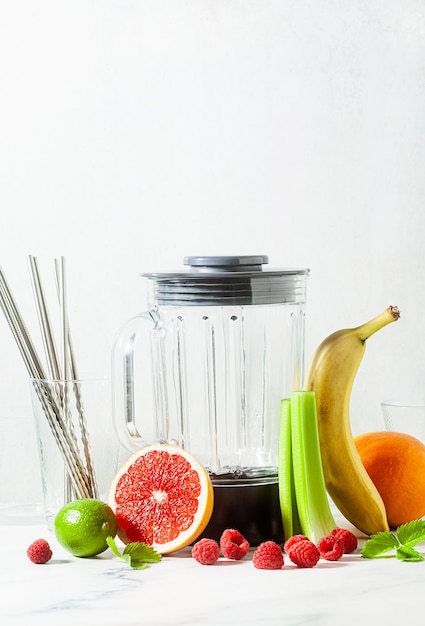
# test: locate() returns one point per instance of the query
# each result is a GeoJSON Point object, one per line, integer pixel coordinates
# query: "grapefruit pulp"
{"type": "Point", "coordinates": [162, 496]}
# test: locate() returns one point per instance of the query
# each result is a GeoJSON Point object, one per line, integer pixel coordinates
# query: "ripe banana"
{"type": "Point", "coordinates": [331, 374]}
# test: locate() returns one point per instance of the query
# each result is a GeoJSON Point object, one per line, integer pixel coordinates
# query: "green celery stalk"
{"type": "Point", "coordinates": [313, 505]}
{"type": "Point", "coordinates": [300, 469]}
{"type": "Point", "coordinates": [288, 504]}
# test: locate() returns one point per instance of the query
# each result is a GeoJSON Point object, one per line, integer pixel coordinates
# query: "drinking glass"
{"type": "Point", "coordinates": [78, 451]}
{"type": "Point", "coordinates": [405, 417]}
{"type": "Point", "coordinates": [20, 491]}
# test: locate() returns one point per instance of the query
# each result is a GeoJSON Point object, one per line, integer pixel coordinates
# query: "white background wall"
{"type": "Point", "coordinates": [135, 132]}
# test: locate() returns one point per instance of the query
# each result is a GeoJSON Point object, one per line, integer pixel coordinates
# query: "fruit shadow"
{"type": "Point", "coordinates": [224, 562]}
{"type": "Point", "coordinates": [321, 565]}
{"type": "Point", "coordinates": [187, 554]}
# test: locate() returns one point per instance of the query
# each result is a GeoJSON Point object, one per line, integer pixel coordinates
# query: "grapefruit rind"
{"type": "Point", "coordinates": [200, 518]}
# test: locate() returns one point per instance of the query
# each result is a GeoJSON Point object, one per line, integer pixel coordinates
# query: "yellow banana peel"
{"type": "Point", "coordinates": [331, 374]}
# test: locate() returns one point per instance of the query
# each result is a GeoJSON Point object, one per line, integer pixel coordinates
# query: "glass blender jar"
{"type": "Point", "coordinates": [205, 367]}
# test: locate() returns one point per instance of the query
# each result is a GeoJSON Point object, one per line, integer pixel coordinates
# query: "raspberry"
{"type": "Point", "coordinates": [331, 548]}
{"type": "Point", "coordinates": [290, 542]}
{"type": "Point", "coordinates": [304, 553]}
{"type": "Point", "coordinates": [39, 552]}
{"type": "Point", "coordinates": [206, 551]}
{"type": "Point", "coordinates": [347, 537]}
{"type": "Point", "coordinates": [268, 555]}
{"type": "Point", "coordinates": [233, 544]}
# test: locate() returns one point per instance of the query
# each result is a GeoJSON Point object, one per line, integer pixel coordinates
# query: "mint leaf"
{"type": "Point", "coordinates": [403, 541]}
{"type": "Point", "coordinates": [412, 533]}
{"type": "Point", "coordinates": [406, 553]}
{"type": "Point", "coordinates": [136, 554]}
{"type": "Point", "coordinates": [141, 553]}
{"type": "Point", "coordinates": [111, 543]}
{"type": "Point", "coordinates": [378, 544]}
{"type": "Point", "coordinates": [138, 565]}
{"type": "Point", "coordinates": [132, 563]}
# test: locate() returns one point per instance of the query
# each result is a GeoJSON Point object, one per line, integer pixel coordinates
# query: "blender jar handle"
{"type": "Point", "coordinates": [123, 378]}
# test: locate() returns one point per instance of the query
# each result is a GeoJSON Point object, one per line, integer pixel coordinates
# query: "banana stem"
{"type": "Point", "coordinates": [391, 314]}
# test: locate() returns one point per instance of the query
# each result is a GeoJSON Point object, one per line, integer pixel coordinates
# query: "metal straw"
{"type": "Point", "coordinates": [60, 285]}
{"type": "Point", "coordinates": [81, 479]}
{"type": "Point", "coordinates": [19, 330]}
{"type": "Point", "coordinates": [44, 320]}
{"type": "Point", "coordinates": [70, 369]}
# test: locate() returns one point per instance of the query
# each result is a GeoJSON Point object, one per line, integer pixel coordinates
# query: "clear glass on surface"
{"type": "Point", "coordinates": [20, 490]}
{"type": "Point", "coordinates": [78, 451]}
{"type": "Point", "coordinates": [406, 418]}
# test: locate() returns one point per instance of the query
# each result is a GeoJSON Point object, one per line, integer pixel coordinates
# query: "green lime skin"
{"type": "Point", "coordinates": [82, 526]}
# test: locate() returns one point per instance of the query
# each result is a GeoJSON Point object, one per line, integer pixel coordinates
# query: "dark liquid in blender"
{"type": "Point", "coordinates": [253, 510]}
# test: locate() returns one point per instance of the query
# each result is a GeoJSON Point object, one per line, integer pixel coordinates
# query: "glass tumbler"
{"type": "Point", "coordinates": [78, 452]}
{"type": "Point", "coordinates": [406, 418]}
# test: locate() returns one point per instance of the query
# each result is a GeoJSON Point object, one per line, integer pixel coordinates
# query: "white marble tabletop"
{"type": "Point", "coordinates": [105, 591]}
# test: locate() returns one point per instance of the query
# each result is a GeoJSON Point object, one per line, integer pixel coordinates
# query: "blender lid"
{"type": "Point", "coordinates": [228, 280]}
{"type": "Point", "coordinates": [226, 263]}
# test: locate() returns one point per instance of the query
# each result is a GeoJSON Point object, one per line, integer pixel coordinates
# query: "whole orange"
{"type": "Point", "coordinates": [396, 464]}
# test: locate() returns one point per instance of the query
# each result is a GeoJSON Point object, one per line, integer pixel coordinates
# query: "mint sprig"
{"type": "Point", "coordinates": [402, 542]}
{"type": "Point", "coordinates": [137, 554]}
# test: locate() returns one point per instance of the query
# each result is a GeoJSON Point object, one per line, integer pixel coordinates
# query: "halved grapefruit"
{"type": "Point", "coordinates": [162, 496]}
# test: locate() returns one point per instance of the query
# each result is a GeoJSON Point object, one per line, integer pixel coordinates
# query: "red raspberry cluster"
{"type": "Point", "coordinates": [304, 553]}
{"type": "Point", "coordinates": [348, 539]}
{"type": "Point", "coordinates": [39, 552]}
{"type": "Point", "coordinates": [233, 545]}
{"type": "Point", "coordinates": [206, 551]}
{"type": "Point", "coordinates": [269, 555]}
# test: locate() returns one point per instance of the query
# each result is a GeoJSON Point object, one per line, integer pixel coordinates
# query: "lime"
{"type": "Point", "coordinates": [82, 526]}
